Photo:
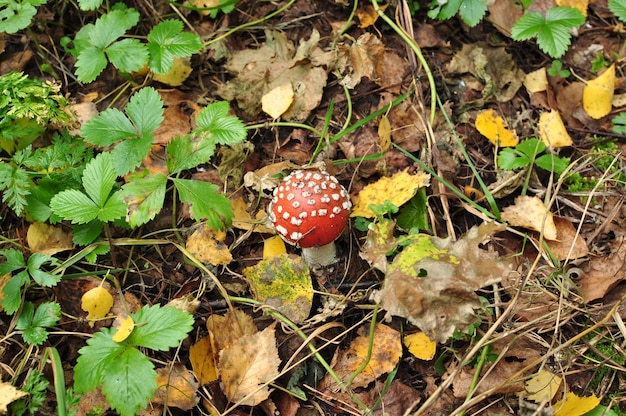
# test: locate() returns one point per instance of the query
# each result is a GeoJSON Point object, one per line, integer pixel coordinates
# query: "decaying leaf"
{"type": "Point", "coordinates": [379, 242]}
{"type": "Point", "coordinates": [244, 221]}
{"type": "Point", "coordinates": [598, 94]}
{"type": "Point", "coordinates": [48, 239]}
{"type": "Point", "coordinates": [284, 283]}
{"type": "Point", "coordinates": [604, 272]}
{"type": "Point", "coordinates": [208, 246]}
{"type": "Point", "coordinates": [384, 133]}
{"type": "Point", "coordinates": [573, 405]}
{"type": "Point", "coordinates": [365, 60]}
{"type": "Point", "coordinates": [97, 302]}
{"type": "Point", "coordinates": [278, 100]}
{"type": "Point", "coordinates": [227, 329]}
{"type": "Point", "coordinates": [124, 324]}
{"type": "Point", "coordinates": [386, 352]}
{"type": "Point", "coordinates": [542, 387]}
{"type": "Point", "coordinates": [204, 361]}
{"type": "Point", "coordinates": [530, 212]}
{"type": "Point", "coordinates": [9, 394]}
{"type": "Point", "coordinates": [536, 81]}
{"type": "Point", "coordinates": [367, 14]}
{"type": "Point", "coordinates": [420, 346]}
{"type": "Point", "coordinates": [188, 303]}
{"type": "Point", "coordinates": [432, 281]}
{"type": "Point", "coordinates": [495, 129]}
{"type": "Point", "coordinates": [246, 380]}
{"type": "Point", "coordinates": [552, 130]}
{"type": "Point", "coordinates": [177, 387]}
{"type": "Point", "coordinates": [398, 189]}
{"type": "Point", "coordinates": [568, 244]}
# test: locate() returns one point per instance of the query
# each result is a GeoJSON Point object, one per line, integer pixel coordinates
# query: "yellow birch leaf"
{"type": "Point", "coordinates": [179, 72]}
{"type": "Point", "coordinates": [384, 133]}
{"type": "Point", "coordinates": [208, 246]}
{"type": "Point", "coordinates": [542, 386]}
{"type": "Point", "coordinates": [177, 387]}
{"type": "Point", "coordinates": [9, 394]}
{"type": "Point", "coordinates": [124, 324]}
{"type": "Point", "coordinates": [398, 189]}
{"type": "Point", "coordinates": [573, 405]}
{"type": "Point", "coordinates": [48, 239]}
{"type": "Point", "coordinates": [495, 129]}
{"type": "Point", "coordinates": [97, 302]}
{"type": "Point", "coordinates": [367, 15]}
{"type": "Point", "coordinates": [421, 346]}
{"type": "Point", "coordinates": [273, 247]}
{"type": "Point", "coordinates": [552, 130]}
{"type": "Point", "coordinates": [536, 81]}
{"type": "Point", "coordinates": [598, 94]}
{"type": "Point", "coordinates": [530, 212]}
{"type": "Point", "coordinates": [204, 360]}
{"type": "Point", "coordinates": [278, 100]}
{"type": "Point", "coordinates": [581, 5]}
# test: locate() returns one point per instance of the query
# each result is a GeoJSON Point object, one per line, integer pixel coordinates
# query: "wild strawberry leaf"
{"type": "Point", "coordinates": [222, 128]}
{"type": "Point", "coordinates": [127, 55]}
{"type": "Point", "coordinates": [205, 203]}
{"type": "Point", "coordinates": [160, 328]}
{"type": "Point", "coordinates": [185, 153]}
{"type": "Point", "coordinates": [107, 128]}
{"type": "Point", "coordinates": [144, 197]}
{"type": "Point", "coordinates": [145, 110]}
{"type": "Point", "coordinates": [34, 322]}
{"type": "Point", "coordinates": [166, 41]}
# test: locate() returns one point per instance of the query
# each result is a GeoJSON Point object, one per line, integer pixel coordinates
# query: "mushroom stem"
{"type": "Point", "coordinates": [320, 256]}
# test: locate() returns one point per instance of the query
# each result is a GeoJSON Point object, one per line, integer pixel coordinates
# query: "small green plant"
{"type": "Point", "coordinates": [557, 70]}
{"type": "Point", "coordinates": [35, 385]}
{"type": "Point", "coordinates": [599, 63]}
{"type": "Point", "coordinates": [35, 321]}
{"type": "Point", "coordinates": [127, 376]}
{"type": "Point", "coordinates": [618, 7]}
{"type": "Point", "coordinates": [98, 44]}
{"type": "Point", "coordinates": [16, 15]}
{"type": "Point", "coordinates": [470, 11]}
{"type": "Point", "coordinates": [602, 154]}
{"type": "Point", "coordinates": [27, 107]}
{"type": "Point", "coordinates": [552, 31]}
{"type": "Point", "coordinates": [526, 153]}
{"type": "Point", "coordinates": [23, 270]}
{"type": "Point", "coordinates": [619, 123]}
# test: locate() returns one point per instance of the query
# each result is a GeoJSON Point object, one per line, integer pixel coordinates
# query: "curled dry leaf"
{"type": "Point", "coordinates": [530, 212]}
{"type": "Point", "coordinates": [386, 352]}
{"type": "Point", "coordinates": [568, 244]}
{"type": "Point", "coordinates": [432, 281]}
{"type": "Point", "coordinates": [246, 381]}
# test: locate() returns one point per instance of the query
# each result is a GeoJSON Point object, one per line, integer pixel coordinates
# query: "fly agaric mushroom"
{"type": "Point", "coordinates": [310, 209]}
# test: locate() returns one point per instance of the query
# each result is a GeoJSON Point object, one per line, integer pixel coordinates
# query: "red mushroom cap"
{"type": "Point", "coordinates": [310, 208]}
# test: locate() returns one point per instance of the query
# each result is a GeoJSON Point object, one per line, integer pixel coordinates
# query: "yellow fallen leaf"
{"type": "Point", "coordinates": [420, 346]}
{"type": "Point", "coordinates": [246, 381]}
{"type": "Point", "coordinates": [204, 360]}
{"type": "Point", "coordinates": [573, 405]}
{"type": "Point", "coordinates": [495, 129]}
{"type": "Point", "coordinates": [398, 189]}
{"type": "Point", "coordinates": [552, 130]}
{"type": "Point", "coordinates": [177, 387]}
{"type": "Point", "coordinates": [244, 221]}
{"type": "Point", "coordinates": [273, 247]}
{"type": "Point", "coordinates": [9, 394]}
{"type": "Point", "coordinates": [384, 133]}
{"type": "Point", "coordinates": [179, 72]}
{"type": "Point", "coordinates": [205, 4]}
{"type": "Point", "coordinates": [542, 386]}
{"type": "Point", "coordinates": [97, 302]}
{"type": "Point", "coordinates": [208, 246]}
{"type": "Point", "coordinates": [278, 100]}
{"type": "Point", "coordinates": [598, 94]}
{"type": "Point", "coordinates": [530, 212]}
{"type": "Point", "coordinates": [581, 5]}
{"type": "Point", "coordinates": [367, 14]}
{"type": "Point", "coordinates": [124, 324]}
{"type": "Point", "coordinates": [227, 329]}
{"type": "Point", "coordinates": [536, 81]}
{"type": "Point", "coordinates": [48, 239]}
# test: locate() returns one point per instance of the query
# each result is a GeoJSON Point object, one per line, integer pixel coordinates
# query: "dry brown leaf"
{"type": "Point", "coordinates": [246, 380]}
{"type": "Point", "coordinates": [604, 272]}
{"type": "Point", "coordinates": [530, 212]}
{"type": "Point", "coordinates": [229, 328]}
{"type": "Point", "coordinates": [244, 221]}
{"type": "Point", "coordinates": [365, 60]}
{"type": "Point", "coordinates": [386, 351]}
{"type": "Point", "coordinates": [48, 239]}
{"type": "Point", "coordinates": [566, 237]}
{"type": "Point", "coordinates": [177, 387]}
{"type": "Point", "coordinates": [379, 242]}
{"type": "Point", "coordinates": [432, 282]}
{"type": "Point", "coordinates": [204, 361]}
{"type": "Point", "coordinates": [208, 246]}
{"type": "Point", "coordinates": [367, 14]}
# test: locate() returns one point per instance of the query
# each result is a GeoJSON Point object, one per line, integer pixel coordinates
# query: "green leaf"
{"type": "Point", "coordinates": [34, 323]}
{"type": "Point", "coordinates": [223, 129]}
{"type": "Point", "coordinates": [531, 147]}
{"type": "Point", "coordinates": [14, 261]}
{"type": "Point", "coordinates": [15, 185]}
{"type": "Point", "coordinates": [94, 359]}
{"type": "Point", "coordinates": [569, 17]}
{"type": "Point", "coordinates": [111, 26]}
{"type": "Point", "coordinates": [552, 163]}
{"type": "Point", "coordinates": [43, 278]}
{"type": "Point", "coordinates": [145, 110]}
{"type": "Point", "coordinates": [47, 314]}
{"type": "Point", "coordinates": [166, 41]}
{"type": "Point", "coordinates": [160, 328]}
{"type": "Point", "coordinates": [554, 40]}
{"type": "Point", "coordinates": [15, 16]}
{"type": "Point", "coordinates": [108, 127]}
{"type": "Point", "coordinates": [128, 154]}
{"type": "Point", "coordinates": [90, 63]}
{"type": "Point", "coordinates": [183, 153]}
{"type": "Point", "coordinates": [113, 209]}
{"type": "Point", "coordinates": [13, 292]}
{"type": "Point", "coordinates": [527, 26]}
{"type": "Point", "coordinates": [449, 9]}
{"type": "Point", "coordinates": [205, 203]}
{"type": "Point", "coordinates": [87, 5]}
{"type": "Point", "coordinates": [99, 178]}
{"type": "Point", "coordinates": [619, 123]}
{"type": "Point", "coordinates": [472, 11]}
{"type": "Point", "coordinates": [128, 55]}
{"type": "Point", "coordinates": [144, 197]}
{"type": "Point", "coordinates": [618, 7]}
{"type": "Point", "coordinates": [509, 159]}
{"type": "Point", "coordinates": [129, 381]}
{"type": "Point", "coordinates": [85, 234]}
{"type": "Point", "coordinates": [75, 206]}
